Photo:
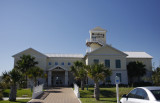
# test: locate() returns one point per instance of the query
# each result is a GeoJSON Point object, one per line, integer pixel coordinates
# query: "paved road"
{"type": "Point", "coordinates": [59, 95]}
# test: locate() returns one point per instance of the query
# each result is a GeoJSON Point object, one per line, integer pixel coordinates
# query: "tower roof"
{"type": "Point", "coordinates": [98, 29]}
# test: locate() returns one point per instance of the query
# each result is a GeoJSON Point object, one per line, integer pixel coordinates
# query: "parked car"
{"type": "Point", "coordinates": [142, 95]}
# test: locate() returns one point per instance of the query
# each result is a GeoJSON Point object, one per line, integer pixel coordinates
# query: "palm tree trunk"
{"type": "Point", "coordinates": [26, 80]}
{"type": "Point", "coordinates": [82, 84]}
{"type": "Point", "coordinates": [35, 82]}
{"type": "Point", "coordinates": [13, 93]}
{"type": "Point", "coordinates": [96, 90]}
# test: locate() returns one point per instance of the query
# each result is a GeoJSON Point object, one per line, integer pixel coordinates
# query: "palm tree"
{"type": "Point", "coordinates": [12, 78]}
{"type": "Point", "coordinates": [98, 73]}
{"type": "Point", "coordinates": [135, 69]}
{"type": "Point", "coordinates": [34, 73]}
{"type": "Point", "coordinates": [25, 63]}
{"type": "Point", "coordinates": [79, 71]}
{"type": "Point", "coordinates": [156, 76]}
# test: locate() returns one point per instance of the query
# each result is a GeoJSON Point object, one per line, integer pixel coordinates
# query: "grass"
{"type": "Point", "coordinates": [17, 101]}
{"type": "Point", "coordinates": [104, 92]}
{"type": "Point", "coordinates": [20, 93]}
{"type": "Point", "coordinates": [102, 100]}
{"type": "Point", "coordinates": [107, 95]}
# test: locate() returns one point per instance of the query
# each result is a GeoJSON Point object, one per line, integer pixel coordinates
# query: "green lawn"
{"type": "Point", "coordinates": [102, 100]}
{"type": "Point", "coordinates": [107, 95]}
{"type": "Point", "coordinates": [18, 101]}
{"type": "Point", "coordinates": [20, 93]}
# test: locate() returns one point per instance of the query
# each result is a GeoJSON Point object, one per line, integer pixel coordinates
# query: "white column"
{"type": "Point", "coordinates": [66, 78]}
{"type": "Point", "coordinates": [49, 78]}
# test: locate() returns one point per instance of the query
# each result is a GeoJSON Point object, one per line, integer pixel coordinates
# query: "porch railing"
{"type": "Point", "coordinates": [37, 91]}
{"type": "Point", "coordinates": [76, 90]}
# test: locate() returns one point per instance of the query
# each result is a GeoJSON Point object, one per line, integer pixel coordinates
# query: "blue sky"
{"type": "Point", "coordinates": [62, 26]}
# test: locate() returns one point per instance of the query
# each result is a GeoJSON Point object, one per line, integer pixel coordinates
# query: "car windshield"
{"type": "Point", "coordinates": [156, 93]}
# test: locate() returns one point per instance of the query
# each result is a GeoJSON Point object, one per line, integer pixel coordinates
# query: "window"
{"type": "Point", "coordinates": [56, 63]}
{"type": "Point", "coordinates": [132, 94]}
{"type": "Point", "coordinates": [119, 75]}
{"type": "Point", "coordinates": [156, 93]}
{"type": "Point", "coordinates": [107, 63]}
{"type": "Point", "coordinates": [118, 64]}
{"type": "Point", "coordinates": [62, 63]}
{"type": "Point", "coordinates": [95, 61]}
{"type": "Point", "coordinates": [49, 63]}
{"type": "Point", "coordinates": [93, 38]}
{"type": "Point", "coordinates": [69, 63]}
{"type": "Point", "coordinates": [141, 94]}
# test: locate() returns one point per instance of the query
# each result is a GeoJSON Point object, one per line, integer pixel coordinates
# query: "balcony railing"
{"type": "Point", "coordinates": [88, 41]}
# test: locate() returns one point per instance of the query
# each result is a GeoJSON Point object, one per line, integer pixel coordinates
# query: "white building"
{"type": "Point", "coordinates": [57, 66]}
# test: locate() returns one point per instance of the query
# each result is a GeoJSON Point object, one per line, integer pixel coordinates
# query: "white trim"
{"type": "Point", "coordinates": [52, 68]}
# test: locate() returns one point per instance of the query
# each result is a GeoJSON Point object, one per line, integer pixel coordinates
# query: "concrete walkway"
{"type": "Point", "coordinates": [57, 95]}
{"type": "Point", "coordinates": [6, 98]}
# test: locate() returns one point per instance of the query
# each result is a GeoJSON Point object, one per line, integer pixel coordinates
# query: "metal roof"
{"type": "Point", "coordinates": [138, 55]}
{"type": "Point", "coordinates": [66, 55]}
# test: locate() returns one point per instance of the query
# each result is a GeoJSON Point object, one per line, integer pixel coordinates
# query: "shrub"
{"type": "Point", "coordinates": [140, 84]}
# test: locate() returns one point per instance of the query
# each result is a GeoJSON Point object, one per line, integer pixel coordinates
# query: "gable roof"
{"type": "Point", "coordinates": [138, 55]}
{"type": "Point", "coordinates": [109, 47]}
{"type": "Point", "coordinates": [54, 67]}
{"type": "Point", "coordinates": [29, 49]}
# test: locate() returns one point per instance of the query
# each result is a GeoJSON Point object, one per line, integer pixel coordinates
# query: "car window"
{"type": "Point", "coordinates": [156, 93]}
{"type": "Point", "coordinates": [132, 94]}
{"type": "Point", "coordinates": [141, 94]}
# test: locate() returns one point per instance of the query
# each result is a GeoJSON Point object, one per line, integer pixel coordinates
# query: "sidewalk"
{"type": "Point", "coordinates": [58, 95]}
{"type": "Point", "coordinates": [6, 98]}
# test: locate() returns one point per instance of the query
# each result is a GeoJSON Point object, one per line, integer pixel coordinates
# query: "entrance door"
{"type": "Point", "coordinates": [59, 81]}
{"type": "Point", "coordinates": [58, 78]}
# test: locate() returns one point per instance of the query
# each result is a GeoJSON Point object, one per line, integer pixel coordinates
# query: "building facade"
{"type": "Point", "coordinates": [57, 66]}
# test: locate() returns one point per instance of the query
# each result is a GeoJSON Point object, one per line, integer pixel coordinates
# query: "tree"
{"type": "Point", "coordinates": [79, 71]}
{"type": "Point", "coordinates": [156, 76]}
{"type": "Point", "coordinates": [135, 69]}
{"type": "Point", "coordinates": [34, 73]}
{"type": "Point", "coordinates": [98, 73]}
{"type": "Point", "coordinates": [12, 78]}
{"type": "Point", "coordinates": [25, 63]}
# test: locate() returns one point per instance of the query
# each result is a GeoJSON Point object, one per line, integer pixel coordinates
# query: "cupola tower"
{"type": "Point", "coordinates": [97, 38]}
